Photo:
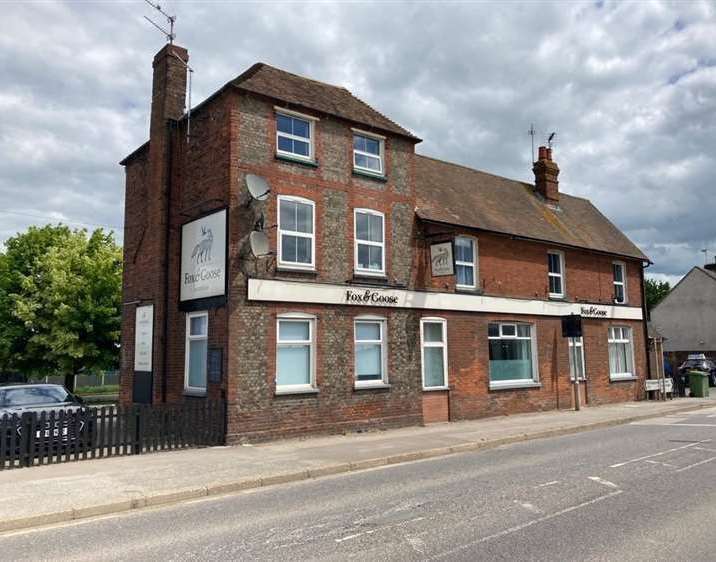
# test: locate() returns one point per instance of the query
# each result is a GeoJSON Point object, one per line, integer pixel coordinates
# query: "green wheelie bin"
{"type": "Point", "coordinates": [698, 384]}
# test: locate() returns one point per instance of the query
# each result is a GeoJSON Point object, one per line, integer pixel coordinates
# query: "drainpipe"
{"type": "Point", "coordinates": [645, 312]}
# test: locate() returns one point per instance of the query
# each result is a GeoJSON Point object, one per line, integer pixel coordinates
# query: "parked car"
{"type": "Point", "coordinates": [65, 415]}
{"type": "Point", "coordinates": [698, 362]}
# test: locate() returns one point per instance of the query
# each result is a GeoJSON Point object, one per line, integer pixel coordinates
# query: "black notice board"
{"type": "Point", "coordinates": [215, 364]}
{"type": "Point", "coordinates": [572, 326]}
{"type": "Point", "coordinates": [142, 388]}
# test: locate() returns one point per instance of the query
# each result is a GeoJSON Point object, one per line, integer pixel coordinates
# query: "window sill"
{"type": "Point", "coordinates": [370, 175]}
{"type": "Point", "coordinates": [372, 386]}
{"type": "Point", "coordinates": [514, 385]}
{"type": "Point", "coordinates": [435, 388]}
{"type": "Point", "coordinates": [630, 378]}
{"type": "Point", "coordinates": [195, 393]}
{"type": "Point", "coordinates": [295, 268]}
{"type": "Point", "coordinates": [296, 160]}
{"type": "Point", "coordinates": [557, 298]}
{"type": "Point", "coordinates": [468, 290]}
{"type": "Point", "coordinates": [287, 269]}
{"type": "Point", "coordinates": [290, 391]}
{"type": "Point", "coordinates": [373, 277]}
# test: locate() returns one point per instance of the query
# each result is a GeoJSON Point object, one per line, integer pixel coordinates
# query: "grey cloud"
{"type": "Point", "coordinates": [630, 89]}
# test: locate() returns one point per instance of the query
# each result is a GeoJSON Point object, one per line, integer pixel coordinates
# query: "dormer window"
{"type": "Point", "coordinates": [368, 152]}
{"type": "Point", "coordinates": [294, 136]}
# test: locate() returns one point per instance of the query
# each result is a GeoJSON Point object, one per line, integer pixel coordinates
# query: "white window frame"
{"type": "Point", "coordinates": [579, 342]}
{"type": "Point", "coordinates": [357, 269]}
{"type": "Point", "coordinates": [562, 276]}
{"type": "Point", "coordinates": [516, 383]}
{"type": "Point", "coordinates": [297, 317]}
{"type": "Point", "coordinates": [311, 134]}
{"type": "Point", "coordinates": [380, 155]}
{"type": "Point", "coordinates": [467, 264]}
{"type": "Point", "coordinates": [383, 323]}
{"type": "Point", "coordinates": [630, 342]}
{"type": "Point", "coordinates": [443, 344]}
{"type": "Point", "coordinates": [187, 350]}
{"type": "Point", "coordinates": [622, 283]}
{"type": "Point", "coordinates": [280, 232]}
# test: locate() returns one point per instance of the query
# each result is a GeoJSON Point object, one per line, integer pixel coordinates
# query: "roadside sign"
{"type": "Point", "coordinates": [572, 326]}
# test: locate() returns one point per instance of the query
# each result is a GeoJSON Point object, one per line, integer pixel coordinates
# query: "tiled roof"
{"type": "Point", "coordinates": [454, 194]}
{"type": "Point", "coordinates": [269, 81]}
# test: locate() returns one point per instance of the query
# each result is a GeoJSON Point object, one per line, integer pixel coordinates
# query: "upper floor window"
{"type": "Point", "coordinates": [296, 241]}
{"type": "Point", "coordinates": [555, 261]}
{"type": "Point", "coordinates": [370, 355]}
{"type": "Point", "coordinates": [294, 136]}
{"type": "Point", "coordinates": [368, 152]}
{"type": "Point", "coordinates": [295, 353]}
{"type": "Point", "coordinates": [466, 262]}
{"type": "Point", "coordinates": [619, 269]}
{"type": "Point", "coordinates": [621, 352]}
{"type": "Point", "coordinates": [369, 242]}
{"type": "Point", "coordinates": [196, 349]}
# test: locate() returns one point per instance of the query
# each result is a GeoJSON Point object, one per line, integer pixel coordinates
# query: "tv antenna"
{"type": "Point", "coordinates": [706, 255]}
{"type": "Point", "coordinates": [532, 133]}
{"type": "Point", "coordinates": [551, 138]}
{"type": "Point", "coordinates": [170, 20]}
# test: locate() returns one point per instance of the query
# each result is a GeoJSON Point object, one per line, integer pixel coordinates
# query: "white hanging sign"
{"type": "Point", "coordinates": [203, 257]}
{"type": "Point", "coordinates": [143, 334]}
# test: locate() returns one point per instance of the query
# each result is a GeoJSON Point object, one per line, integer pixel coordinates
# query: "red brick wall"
{"type": "Point", "coordinates": [518, 268]}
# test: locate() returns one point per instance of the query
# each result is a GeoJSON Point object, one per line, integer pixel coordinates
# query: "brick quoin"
{"type": "Point", "coordinates": [171, 181]}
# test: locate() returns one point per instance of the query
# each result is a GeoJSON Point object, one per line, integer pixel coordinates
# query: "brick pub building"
{"type": "Point", "coordinates": [398, 289]}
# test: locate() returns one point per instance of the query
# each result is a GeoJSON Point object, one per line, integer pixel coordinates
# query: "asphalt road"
{"type": "Point", "coordinates": [644, 491]}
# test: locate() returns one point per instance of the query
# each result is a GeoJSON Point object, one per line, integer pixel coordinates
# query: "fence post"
{"type": "Point", "coordinates": [27, 438]}
{"type": "Point", "coordinates": [137, 417]}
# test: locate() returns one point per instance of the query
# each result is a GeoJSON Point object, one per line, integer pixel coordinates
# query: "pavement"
{"type": "Point", "coordinates": [46, 495]}
{"type": "Point", "coordinates": [635, 492]}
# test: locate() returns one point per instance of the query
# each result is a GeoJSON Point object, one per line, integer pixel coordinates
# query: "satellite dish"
{"type": "Point", "coordinates": [258, 187]}
{"type": "Point", "coordinates": [259, 243]}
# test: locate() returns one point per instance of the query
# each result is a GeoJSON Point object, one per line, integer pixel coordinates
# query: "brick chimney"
{"type": "Point", "coordinates": [168, 98]}
{"type": "Point", "coordinates": [546, 172]}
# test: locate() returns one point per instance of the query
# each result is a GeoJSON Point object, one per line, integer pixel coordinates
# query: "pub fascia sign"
{"type": "Point", "coordinates": [203, 257]}
{"type": "Point", "coordinates": [592, 311]}
{"type": "Point", "coordinates": [371, 297]}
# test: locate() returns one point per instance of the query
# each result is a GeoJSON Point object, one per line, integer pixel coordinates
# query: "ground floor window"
{"type": "Point", "coordinates": [295, 363]}
{"type": "Point", "coordinates": [196, 345]}
{"type": "Point", "coordinates": [433, 336]}
{"type": "Point", "coordinates": [512, 354]}
{"type": "Point", "coordinates": [576, 348]}
{"type": "Point", "coordinates": [621, 352]}
{"type": "Point", "coordinates": [370, 357]}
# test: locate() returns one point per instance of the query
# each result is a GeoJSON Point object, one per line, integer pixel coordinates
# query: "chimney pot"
{"type": "Point", "coordinates": [546, 172]}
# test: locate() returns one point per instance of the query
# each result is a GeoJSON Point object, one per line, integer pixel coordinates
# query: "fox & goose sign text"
{"type": "Point", "coordinates": [203, 257]}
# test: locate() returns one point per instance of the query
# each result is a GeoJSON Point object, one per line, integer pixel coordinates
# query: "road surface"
{"type": "Point", "coordinates": [645, 491]}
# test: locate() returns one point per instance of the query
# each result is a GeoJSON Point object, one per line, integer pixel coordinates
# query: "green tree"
{"type": "Point", "coordinates": [62, 289]}
{"type": "Point", "coordinates": [655, 291]}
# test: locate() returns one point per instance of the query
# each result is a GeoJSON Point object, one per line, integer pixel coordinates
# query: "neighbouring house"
{"type": "Point", "coordinates": [287, 251]}
{"type": "Point", "coordinates": [686, 317]}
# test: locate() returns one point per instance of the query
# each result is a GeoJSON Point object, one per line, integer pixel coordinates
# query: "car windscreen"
{"type": "Point", "coordinates": [33, 396]}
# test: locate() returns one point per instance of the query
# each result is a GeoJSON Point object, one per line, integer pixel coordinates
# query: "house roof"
{"type": "Point", "coordinates": [275, 83]}
{"type": "Point", "coordinates": [454, 194]}
{"type": "Point", "coordinates": [272, 82]}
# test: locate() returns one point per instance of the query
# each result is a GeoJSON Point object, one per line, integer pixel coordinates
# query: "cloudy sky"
{"type": "Point", "coordinates": [629, 87]}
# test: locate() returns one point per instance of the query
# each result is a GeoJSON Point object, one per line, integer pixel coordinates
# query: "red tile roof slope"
{"type": "Point", "coordinates": [454, 194]}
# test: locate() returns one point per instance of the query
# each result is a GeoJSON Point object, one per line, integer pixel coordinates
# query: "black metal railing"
{"type": "Point", "coordinates": [32, 439]}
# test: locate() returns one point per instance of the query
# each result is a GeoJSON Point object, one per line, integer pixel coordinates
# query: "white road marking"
{"type": "Point", "coordinates": [517, 528]}
{"type": "Point", "coordinates": [371, 531]}
{"type": "Point", "coordinates": [695, 464]}
{"type": "Point", "coordinates": [550, 483]}
{"type": "Point", "coordinates": [705, 449]}
{"type": "Point", "coordinates": [659, 454]}
{"type": "Point", "coordinates": [529, 507]}
{"type": "Point", "coordinates": [603, 482]}
{"type": "Point", "coordinates": [661, 463]}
